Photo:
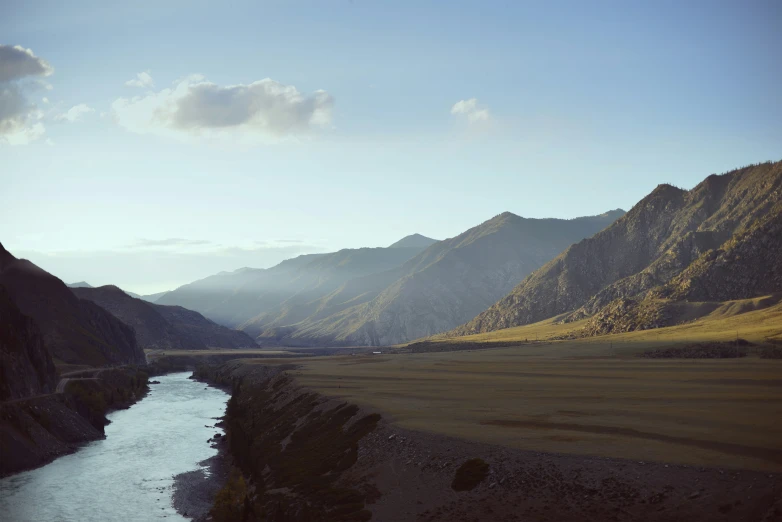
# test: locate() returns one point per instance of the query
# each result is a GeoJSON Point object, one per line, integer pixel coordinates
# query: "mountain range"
{"type": "Point", "coordinates": [234, 298]}
{"type": "Point", "coordinates": [722, 240]}
{"type": "Point", "coordinates": [149, 297]}
{"type": "Point", "coordinates": [164, 327]}
{"type": "Point", "coordinates": [414, 288]}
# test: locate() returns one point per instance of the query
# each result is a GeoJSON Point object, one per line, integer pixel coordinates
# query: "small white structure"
{"type": "Point", "coordinates": [377, 353]}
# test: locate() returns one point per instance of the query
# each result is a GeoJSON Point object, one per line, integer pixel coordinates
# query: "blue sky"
{"type": "Point", "coordinates": [358, 138]}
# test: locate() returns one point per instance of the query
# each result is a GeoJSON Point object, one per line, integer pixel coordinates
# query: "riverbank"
{"type": "Point", "coordinates": [305, 456]}
{"type": "Point", "coordinates": [194, 491]}
{"type": "Point", "coordinates": [35, 431]}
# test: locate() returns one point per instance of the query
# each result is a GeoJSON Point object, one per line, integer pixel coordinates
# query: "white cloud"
{"type": "Point", "coordinates": [469, 109]}
{"type": "Point", "coordinates": [20, 120]}
{"type": "Point", "coordinates": [142, 79]}
{"type": "Point", "coordinates": [45, 99]}
{"type": "Point", "coordinates": [76, 113]}
{"type": "Point", "coordinates": [264, 110]}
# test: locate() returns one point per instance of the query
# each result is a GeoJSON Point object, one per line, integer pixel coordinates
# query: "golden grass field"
{"type": "Point", "coordinates": [589, 396]}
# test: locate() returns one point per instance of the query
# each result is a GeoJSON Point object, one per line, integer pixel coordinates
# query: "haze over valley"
{"type": "Point", "coordinates": [357, 261]}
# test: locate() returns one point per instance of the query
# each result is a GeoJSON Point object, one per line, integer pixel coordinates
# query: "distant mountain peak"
{"type": "Point", "coordinates": [80, 284]}
{"type": "Point", "coordinates": [616, 213]}
{"type": "Point", "coordinates": [414, 241]}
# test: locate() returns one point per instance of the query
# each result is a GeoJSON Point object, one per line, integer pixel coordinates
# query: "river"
{"type": "Point", "coordinates": [129, 474]}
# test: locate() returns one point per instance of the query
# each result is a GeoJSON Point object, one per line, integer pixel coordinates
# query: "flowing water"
{"type": "Point", "coordinates": [129, 474]}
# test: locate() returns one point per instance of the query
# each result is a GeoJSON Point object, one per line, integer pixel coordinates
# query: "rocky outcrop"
{"type": "Point", "coordinates": [746, 266]}
{"type": "Point", "coordinates": [74, 330]}
{"type": "Point", "coordinates": [294, 445]}
{"type": "Point", "coordinates": [164, 327]}
{"type": "Point", "coordinates": [26, 367]}
{"type": "Point", "coordinates": [667, 232]}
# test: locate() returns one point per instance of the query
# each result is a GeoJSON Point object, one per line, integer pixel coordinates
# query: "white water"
{"type": "Point", "coordinates": [129, 474]}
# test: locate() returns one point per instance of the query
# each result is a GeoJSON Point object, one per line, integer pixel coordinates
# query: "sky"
{"type": "Point", "coordinates": [151, 143]}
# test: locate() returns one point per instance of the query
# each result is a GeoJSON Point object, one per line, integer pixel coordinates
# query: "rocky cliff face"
{"type": "Point", "coordinates": [664, 235]}
{"type": "Point", "coordinates": [75, 331]}
{"type": "Point", "coordinates": [26, 367]}
{"type": "Point", "coordinates": [36, 430]}
{"type": "Point", "coordinates": [164, 327]}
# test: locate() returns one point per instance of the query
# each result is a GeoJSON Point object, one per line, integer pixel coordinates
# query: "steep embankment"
{"type": "Point", "coordinates": [164, 327]}
{"type": "Point", "coordinates": [37, 430]}
{"type": "Point", "coordinates": [443, 286]}
{"type": "Point", "coordinates": [26, 367]}
{"type": "Point", "coordinates": [306, 457]}
{"type": "Point", "coordinates": [664, 234]}
{"type": "Point", "coordinates": [74, 330]}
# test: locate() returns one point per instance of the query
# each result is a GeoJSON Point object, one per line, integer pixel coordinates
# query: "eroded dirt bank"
{"type": "Point", "coordinates": [35, 431]}
{"type": "Point", "coordinates": [306, 457]}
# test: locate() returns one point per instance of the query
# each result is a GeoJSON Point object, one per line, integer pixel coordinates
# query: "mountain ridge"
{"type": "Point", "coordinates": [656, 240]}
{"type": "Point", "coordinates": [74, 330]}
{"type": "Point", "coordinates": [416, 300]}
{"type": "Point", "coordinates": [164, 327]}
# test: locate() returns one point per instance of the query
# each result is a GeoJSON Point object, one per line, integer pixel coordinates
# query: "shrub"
{"type": "Point", "coordinates": [470, 474]}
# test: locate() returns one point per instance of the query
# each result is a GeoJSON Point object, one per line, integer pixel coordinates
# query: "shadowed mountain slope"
{"type": "Point", "coordinates": [164, 327]}
{"type": "Point", "coordinates": [74, 330]}
{"type": "Point", "coordinates": [441, 287]}
{"type": "Point", "coordinates": [715, 241]}
{"type": "Point", "coordinates": [26, 367]}
{"type": "Point", "coordinates": [233, 298]}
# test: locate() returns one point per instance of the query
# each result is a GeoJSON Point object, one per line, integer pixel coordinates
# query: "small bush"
{"type": "Point", "coordinates": [470, 474]}
{"type": "Point", "coordinates": [229, 502]}
{"type": "Point", "coordinates": [714, 350]}
{"type": "Point", "coordinates": [770, 352]}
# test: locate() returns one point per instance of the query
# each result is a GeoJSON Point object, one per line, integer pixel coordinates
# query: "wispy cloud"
{"type": "Point", "coordinates": [75, 113]}
{"type": "Point", "coordinates": [159, 266]}
{"type": "Point", "coordinates": [470, 110]}
{"type": "Point", "coordinates": [142, 79]}
{"type": "Point", "coordinates": [262, 111]}
{"type": "Point", "coordinates": [168, 242]}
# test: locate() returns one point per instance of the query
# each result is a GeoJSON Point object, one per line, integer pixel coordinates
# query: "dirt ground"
{"type": "Point", "coordinates": [407, 476]}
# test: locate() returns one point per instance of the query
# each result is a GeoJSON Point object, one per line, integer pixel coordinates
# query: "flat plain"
{"type": "Point", "coordinates": [590, 396]}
